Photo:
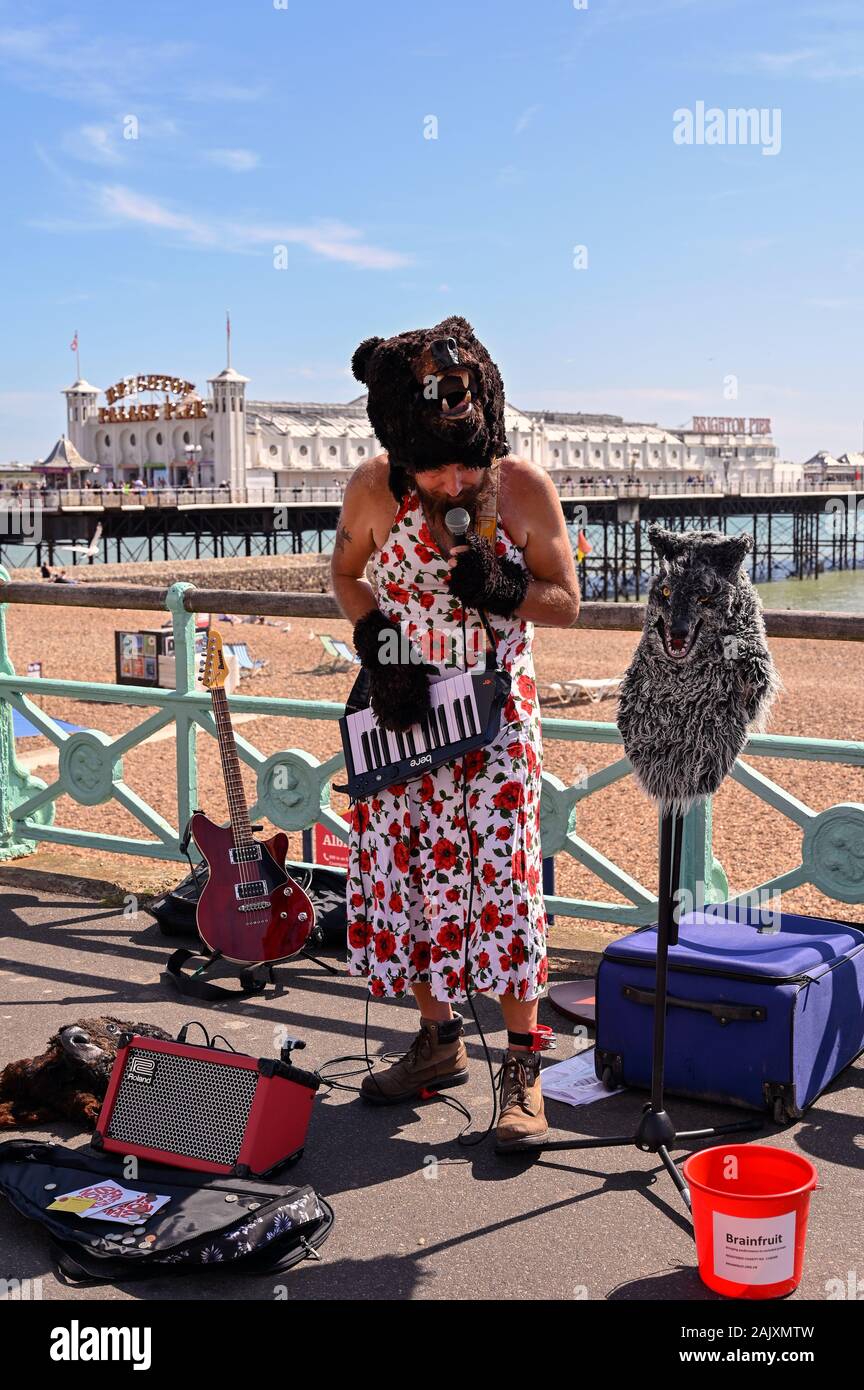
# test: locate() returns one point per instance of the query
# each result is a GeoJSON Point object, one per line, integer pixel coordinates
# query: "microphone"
{"type": "Point", "coordinates": [457, 521]}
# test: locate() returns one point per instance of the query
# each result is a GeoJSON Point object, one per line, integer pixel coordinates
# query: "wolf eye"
{"type": "Point", "coordinates": [665, 590]}
{"type": "Point", "coordinates": [706, 598]}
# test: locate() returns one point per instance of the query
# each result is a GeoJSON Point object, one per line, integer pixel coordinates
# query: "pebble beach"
{"type": "Point", "coordinates": [821, 697]}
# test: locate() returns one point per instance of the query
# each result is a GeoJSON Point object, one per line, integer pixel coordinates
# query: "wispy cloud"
{"type": "Point", "coordinates": [842, 302]}
{"type": "Point", "coordinates": [96, 144]}
{"type": "Point", "coordinates": [115, 205]}
{"type": "Point", "coordinates": [61, 59]}
{"type": "Point", "coordinates": [819, 56]}
{"type": "Point", "coordinates": [238, 161]}
{"type": "Point", "coordinates": [783, 62]}
{"type": "Point", "coordinates": [333, 240]}
{"type": "Point", "coordinates": [509, 175]}
{"type": "Point", "coordinates": [58, 59]}
{"type": "Point", "coordinates": [525, 119]}
{"type": "Point", "coordinates": [122, 204]}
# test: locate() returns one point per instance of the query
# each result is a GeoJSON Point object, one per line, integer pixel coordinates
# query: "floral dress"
{"type": "Point", "coordinates": [409, 868]}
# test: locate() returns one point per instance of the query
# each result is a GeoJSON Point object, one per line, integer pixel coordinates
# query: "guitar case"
{"type": "Point", "coordinates": [213, 1223]}
{"type": "Point", "coordinates": [174, 911]}
{"type": "Point", "coordinates": [175, 914]}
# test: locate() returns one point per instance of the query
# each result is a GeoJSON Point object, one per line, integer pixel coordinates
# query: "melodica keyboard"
{"type": "Point", "coordinates": [465, 714]}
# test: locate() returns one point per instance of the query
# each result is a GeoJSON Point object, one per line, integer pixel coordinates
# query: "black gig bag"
{"type": "Point", "coordinates": [213, 1222]}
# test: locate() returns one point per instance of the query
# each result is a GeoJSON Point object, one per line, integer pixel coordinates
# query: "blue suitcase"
{"type": "Point", "coordinates": [762, 1015]}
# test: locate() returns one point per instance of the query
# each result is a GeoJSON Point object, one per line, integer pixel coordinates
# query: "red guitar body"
{"type": "Point", "coordinates": [252, 911]}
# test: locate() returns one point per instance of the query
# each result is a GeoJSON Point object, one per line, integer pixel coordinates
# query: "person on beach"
{"type": "Point", "coordinates": [436, 402]}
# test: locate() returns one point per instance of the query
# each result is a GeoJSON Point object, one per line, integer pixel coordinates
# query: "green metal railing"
{"type": "Point", "coordinates": [293, 787]}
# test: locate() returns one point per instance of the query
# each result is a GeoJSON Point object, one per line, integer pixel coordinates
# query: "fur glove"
{"type": "Point", "coordinates": [480, 579]}
{"type": "Point", "coordinates": [398, 690]}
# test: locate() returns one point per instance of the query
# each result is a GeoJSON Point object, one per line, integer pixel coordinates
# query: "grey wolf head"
{"type": "Point", "coordinates": [702, 678]}
{"type": "Point", "coordinates": [690, 599]}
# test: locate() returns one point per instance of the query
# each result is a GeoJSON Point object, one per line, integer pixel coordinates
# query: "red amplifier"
{"type": "Point", "coordinates": [205, 1108]}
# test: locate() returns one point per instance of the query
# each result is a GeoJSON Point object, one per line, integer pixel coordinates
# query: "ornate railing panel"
{"type": "Point", "coordinates": [293, 788]}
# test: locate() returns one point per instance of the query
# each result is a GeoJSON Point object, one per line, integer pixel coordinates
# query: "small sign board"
{"type": "Point", "coordinates": [139, 657]}
{"type": "Point", "coordinates": [329, 849]}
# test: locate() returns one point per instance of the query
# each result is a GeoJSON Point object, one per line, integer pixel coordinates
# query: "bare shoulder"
{"type": "Point", "coordinates": [369, 478]}
{"type": "Point", "coordinates": [528, 498]}
{"type": "Point", "coordinates": [368, 506]}
{"type": "Point", "coordinates": [526, 476]}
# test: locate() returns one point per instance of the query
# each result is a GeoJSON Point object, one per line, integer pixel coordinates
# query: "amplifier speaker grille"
{"type": "Point", "coordinates": [199, 1109]}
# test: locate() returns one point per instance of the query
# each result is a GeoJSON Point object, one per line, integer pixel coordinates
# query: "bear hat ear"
{"type": "Point", "coordinates": [455, 324]}
{"type": "Point", "coordinates": [363, 356]}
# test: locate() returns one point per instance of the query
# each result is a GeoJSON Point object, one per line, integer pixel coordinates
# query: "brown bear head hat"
{"type": "Point", "coordinates": [435, 397]}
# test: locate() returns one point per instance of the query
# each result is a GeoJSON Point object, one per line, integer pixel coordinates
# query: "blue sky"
{"type": "Point", "coordinates": [302, 127]}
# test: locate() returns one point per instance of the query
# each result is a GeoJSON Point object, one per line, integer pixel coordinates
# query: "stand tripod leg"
{"type": "Point", "coordinates": [325, 965]}
{"type": "Point", "coordinates": [739, 1127]}
{"type": "Point", "coordinates": [656, 1131]}
{"type": "Point", "coordinates": [671, 1168]}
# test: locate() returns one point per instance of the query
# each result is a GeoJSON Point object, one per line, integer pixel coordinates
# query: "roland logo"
{"type": "Point", "coordinates": [141, 1069]}
{"type": "Point", "coordinates": [418, 762]}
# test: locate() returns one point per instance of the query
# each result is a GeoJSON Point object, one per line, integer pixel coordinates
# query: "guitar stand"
{"type": "Point", "coordinates": [325, 965]}
{"type": "Point", "coordinates": [656, 1131]}
{"type": "Point", "coordinates": [196, 983]}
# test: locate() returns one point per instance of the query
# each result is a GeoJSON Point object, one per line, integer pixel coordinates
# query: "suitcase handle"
{"type": "Point", "coordinates": [724, 1013]}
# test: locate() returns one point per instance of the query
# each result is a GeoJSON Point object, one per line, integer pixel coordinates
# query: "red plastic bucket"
{"type": "Point", "coordinates": [750, 1207]}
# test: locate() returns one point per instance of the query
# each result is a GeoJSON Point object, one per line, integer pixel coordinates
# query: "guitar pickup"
{"type": "Point", "coordinates": [256, 889]}
{"type": "Point", "coordinates": [245, 853]}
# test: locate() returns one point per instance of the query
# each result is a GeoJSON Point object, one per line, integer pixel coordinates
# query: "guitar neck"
{"type": "Point", "coordinates": [237, 808]}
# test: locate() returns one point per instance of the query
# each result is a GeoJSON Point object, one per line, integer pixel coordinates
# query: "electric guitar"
{"type": "Point", "coordinates": [251, 910]}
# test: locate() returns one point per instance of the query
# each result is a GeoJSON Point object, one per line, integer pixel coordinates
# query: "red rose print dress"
{"type": "Point", "coordinates": [409, 868]}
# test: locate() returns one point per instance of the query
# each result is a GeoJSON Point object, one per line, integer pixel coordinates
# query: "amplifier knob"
{"type": "Point", "coordinates": [301, 916]}
{"type": "Point", "coordinates": [283, 914]}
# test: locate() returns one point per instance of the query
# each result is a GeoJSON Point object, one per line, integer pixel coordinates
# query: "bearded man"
{"type": "Point", "coordinates": [436, 403]}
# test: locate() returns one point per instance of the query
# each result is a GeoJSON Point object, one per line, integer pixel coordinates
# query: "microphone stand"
{"type": "Point", "coordinates": [656, 1131]}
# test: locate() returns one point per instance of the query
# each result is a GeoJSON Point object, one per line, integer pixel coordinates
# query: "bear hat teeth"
{"type": "Point", "coordinates": [458, 411]}
{"type": "Point", "coordinates": [454, 392]}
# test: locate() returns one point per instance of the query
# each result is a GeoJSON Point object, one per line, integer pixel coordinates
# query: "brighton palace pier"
{"type": "Point", "coordinates": [159, 429]}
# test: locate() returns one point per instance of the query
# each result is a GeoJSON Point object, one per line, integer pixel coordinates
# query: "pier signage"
{"type": "Point", "coordinates": [186, 406]}
{"type": "Point", "coordinates": [730, 424]}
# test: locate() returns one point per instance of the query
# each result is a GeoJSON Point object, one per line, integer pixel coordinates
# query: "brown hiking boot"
{"type": "Point", "coordinates": [522, 1121]}
{"type": "Point", "coordinates": [435, 1059]}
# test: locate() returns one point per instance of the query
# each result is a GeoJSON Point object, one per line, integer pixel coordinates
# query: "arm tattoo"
{"type": "Point", "coordinates": [343, 538]}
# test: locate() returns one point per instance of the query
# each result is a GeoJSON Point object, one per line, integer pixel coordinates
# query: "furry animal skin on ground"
{"type": "Point", "coordinates": [69, 1080]}
{"type": "Point", "coordinates": [702, 677]}
{"type": "Point", "coordinates": [435, 397]}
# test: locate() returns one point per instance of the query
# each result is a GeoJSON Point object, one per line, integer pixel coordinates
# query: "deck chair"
{"type": "Point", "coordinates": [244, 660]}
{"type": "Point", "coordinates": [586, 690]}
{"type": "Point", "coordinates": [340, 654]}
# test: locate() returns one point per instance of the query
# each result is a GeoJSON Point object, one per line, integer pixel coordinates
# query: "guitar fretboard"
{"type": "Point", "coordinates": [237, 808]}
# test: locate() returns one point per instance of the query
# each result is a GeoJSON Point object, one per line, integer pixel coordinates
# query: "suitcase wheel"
{"type": "Point", "coordinates": [781, 1115]}
{"type": "Point", "coordinates": [608, 1079]}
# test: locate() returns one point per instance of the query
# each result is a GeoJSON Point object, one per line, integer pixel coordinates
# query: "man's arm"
{"type": "Point", "coordinates": [355, 543]}
{"type": "Point", "coordinates": [553, 595]}
{"type": "Point", "coordinates": [552, 592]}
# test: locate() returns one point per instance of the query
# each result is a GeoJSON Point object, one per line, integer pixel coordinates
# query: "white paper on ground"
{"type": "Point", "coordinates": [574, 1082]}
